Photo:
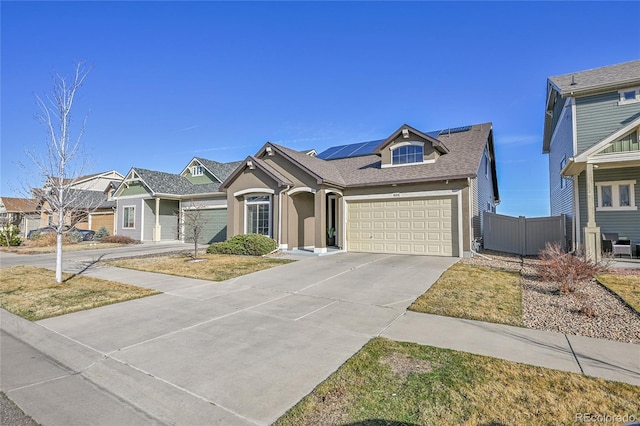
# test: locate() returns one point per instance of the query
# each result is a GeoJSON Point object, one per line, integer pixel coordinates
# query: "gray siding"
{"type": "Point", "coordinates": [600, 115]}
{"type": "Point", "coordinates": [134, 233]}
{"type": "Point", "coordinates": [625, 223]}
{"type": "Point", "coordinates": [561, 199]}
{"type": "Point", "coordinates": [482, 197]}
{"type": "Point", "coordinates": [168, 219]}
{"type": "Point", "coordinates": [206, 202]}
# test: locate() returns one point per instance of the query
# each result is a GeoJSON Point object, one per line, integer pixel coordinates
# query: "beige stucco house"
{"type": "Point", "coordinates": [410, 193]}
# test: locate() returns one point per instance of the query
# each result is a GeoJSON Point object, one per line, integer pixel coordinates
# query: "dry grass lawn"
{"type": "Point", "coordinates": [28, 249]}
{"type": "Point", "coordinates": [475, 292]}
{"type": "Point", "coordinates": [213, 267]}
{"type": "Point", "coordinates": [625, 286]}
{"type": "Point", "coordinates": [33, 293]}
{"type": "Point", "coordinates": [390, 382]}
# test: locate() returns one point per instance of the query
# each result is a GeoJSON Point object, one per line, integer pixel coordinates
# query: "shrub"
{"type": "Point", "coordinates": [118, 239]}
{"type": "Point", "coordinates": [101, 233]}
{"type": "Point", "coordinates": [566, 269]}
{"type": "Point", "coordinates": [244, 244]}
{"type": "Point", "coordinates": [74, 237]}
{"type": "Point", "coordinates": [10, 236]}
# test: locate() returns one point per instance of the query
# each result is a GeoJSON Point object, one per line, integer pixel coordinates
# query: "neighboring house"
{"type": "Point", "coordinates": [411, 193]}
{"type": "Point", "coordinates": [150, 203]}
{"type": "Point", "coordinates": [21, 212]}
{"type": "Point", "coordinates": [91, 201]}
{"type": "Point", "coordinates": [591, 133]}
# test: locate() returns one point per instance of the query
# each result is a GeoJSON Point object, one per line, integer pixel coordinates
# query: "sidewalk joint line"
{"type": "Point", "coordinates": [316, 310]}
{"type": "Point", "coordinates": [574, 354]}
{"type": "Point", "coordinates": [71, 374]}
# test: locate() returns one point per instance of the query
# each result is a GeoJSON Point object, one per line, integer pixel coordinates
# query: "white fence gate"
{"type": "Point", "coordinates": [520, 235]}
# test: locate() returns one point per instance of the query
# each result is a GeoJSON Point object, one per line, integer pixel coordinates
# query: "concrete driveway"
{"type": "Point", "coordinates": [237, 352]}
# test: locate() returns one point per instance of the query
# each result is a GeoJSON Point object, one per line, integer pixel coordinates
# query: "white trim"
{"type": "Point", "coordinates": [615, 195]}
{"type": "Point", "coordinates": [268, 203]}
{"type": "Point", "coordinates": [333, 191]}
{"type": "Point", "coordinates": [301, 189]}
{"type": "Point", "coordinates": [615, 157]}
{"type": "Point", "coordinates": [207, 207]}
{"type": "Point", "coordinates": [134, 216]}
{"type": "Point", "coordinates": [577, 235]}
{"type": "Point", "coordinates": [384, 166]}
{"type": "Point", "coordinates": [254, 191]}
{"type": "Point", "coordinates": [460, 227]}
{"type": "Point", "coordinates": [606, 141]}
{"type": "Point", "coordinates": [574, 126]}
{"type": "Point", "coordinates": [396, 195]}
{"type": "Point", "coordinates": [405, 143]}
{"type": "Point", "coordinates": [623, 101]}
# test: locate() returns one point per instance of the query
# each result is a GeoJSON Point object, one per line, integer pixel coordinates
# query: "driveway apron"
{"type": "Point", "coordinates": [247, 349]}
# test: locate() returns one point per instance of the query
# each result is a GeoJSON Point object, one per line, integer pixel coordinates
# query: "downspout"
{"type": "Point", "coordinates": [280, 215]}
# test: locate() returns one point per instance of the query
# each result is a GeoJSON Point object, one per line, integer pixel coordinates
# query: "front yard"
{"type": "Point", "coordinates": [212, 267]}
{"type": "Point", "coordinates": [33, 293]}
{"type": "Point", "coordinates": [394, 383]}
{"type": "Point", "coordinates": [506, 289]}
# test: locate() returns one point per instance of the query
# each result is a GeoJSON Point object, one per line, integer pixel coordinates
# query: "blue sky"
{"type": "Point", "coordinates": [174, 80]}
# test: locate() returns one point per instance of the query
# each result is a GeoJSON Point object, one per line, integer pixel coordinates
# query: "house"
{"type": "Point", "coordinates": [591, 132]}
{"type": "Point", "coordinates": [90, 201]}
{"type": "Point", "coordinates": [21, 212]}
{"type": "Point", "coordinates": [410, 193]}
{"type": "Point", "coordinates": [151, 204]}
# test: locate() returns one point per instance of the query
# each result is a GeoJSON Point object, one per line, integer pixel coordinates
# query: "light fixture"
{"type": "Point", "coordinates": [250, 165]}
{"type": "Point", "coordinates": [269, 151]}
{"type": "Point", "coordinates": [405, 133]}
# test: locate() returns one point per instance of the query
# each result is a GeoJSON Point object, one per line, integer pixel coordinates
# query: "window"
{"type": "Point", "coordinates": [407, 154]}
{"type": "Point", "coordinates": [197, 171]}
{"type": "Point", "coordinates": [486, 164]}
{"type": "Point", "coordinates": [563, 163]}
{"type": "Point", "coordinates": [129, 217]}
{"type": "Point", "coordinates": [258, 215]}
{"type": "Point", "coordinates": [616, 195]}
{"type": "Point", "coordinates": [628, 96]}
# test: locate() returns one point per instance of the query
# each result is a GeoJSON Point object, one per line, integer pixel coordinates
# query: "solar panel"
{"type": "Point", "coordinates": [348, 151]}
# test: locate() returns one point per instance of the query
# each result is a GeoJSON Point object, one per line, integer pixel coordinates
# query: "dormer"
{"type": "Point", "coordinates": [408, 146]}
{"type": "Point", "coordinates": [197, 173]}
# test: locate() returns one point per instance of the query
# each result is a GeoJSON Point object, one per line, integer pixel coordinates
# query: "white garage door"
{"type": "Point", "coordinates": [426, 226]}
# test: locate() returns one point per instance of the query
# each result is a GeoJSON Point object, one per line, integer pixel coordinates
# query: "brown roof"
{"type": "Point", "coordinates": [325, 171]}
{"type": "Point", "coordinates": [604, 78]}
{"type": "Point", "coordinates": [462, 161]}
{"type": "Point", "coordinates": [20, 205]}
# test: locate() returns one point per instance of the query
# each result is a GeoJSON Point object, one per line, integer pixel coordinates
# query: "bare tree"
{"type": "Point", "coordinates": [61, 165]}
{"type": "Point", "coordinates": [194, 222]}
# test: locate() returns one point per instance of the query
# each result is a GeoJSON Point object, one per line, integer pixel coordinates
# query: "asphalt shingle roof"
{"type": "Point", "coordinates": [221, 170]}
{"type": "Point", "coordinates": [463, 160]}
{"type": "Point", "coordinates": [620, 75]}
{"type": "Point", "coordinates": [20, 205]}
{"type": "Point", "coordinates": [326, 170]}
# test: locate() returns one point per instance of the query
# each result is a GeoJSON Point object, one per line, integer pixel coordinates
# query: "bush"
{"type": "Point", "coordinates": [118, 239]}
{"type": "Point", "coordinates": [101, 233]}
{"type": "Point", "coordinates": [567, 269]}
{"type": "Point", "coordinates": [244, 244]}
{"type": "Point", "coordinates": [74, 237]}
{"type": "Point", "coordinates": [10, 236]}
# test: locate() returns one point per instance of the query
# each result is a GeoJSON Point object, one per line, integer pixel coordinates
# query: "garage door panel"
{"type": "Point", "coordinates": [214, 226]}
{"type": "Point", "coordinates": [417, 226]}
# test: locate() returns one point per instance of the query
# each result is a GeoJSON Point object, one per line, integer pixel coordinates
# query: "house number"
{"type": "Point", "coordinates": [396, 194]}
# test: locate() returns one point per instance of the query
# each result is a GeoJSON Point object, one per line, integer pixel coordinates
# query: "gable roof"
{"type": "Point", "coordinates": [324, 171]}
{"type": "Point", "coordinates": [437, 144]}
{"type": "Point", "coordinates": [463, 160]}
{"type": "Point", "coordinates": [163, 183]}
{"type": "Point", "coordinates": [19, 205]}
{"type": "Point", "coordinates": [611, 77]}
{"type": "Point", "coordinates": [220, 171]}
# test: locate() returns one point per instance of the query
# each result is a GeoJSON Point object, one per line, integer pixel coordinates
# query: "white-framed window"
{"type": "Point", "coordinates": [616, 195]}
{"type": "Point", "coordinates": [129, 217]}
{"type": "Point", "coordinates": [486, 165]}
{"type": "Point", "coordinates": [629, 96]}
{"type": "Point", "coordinates": [563, 181]}
{"type": "Point", "coordinates": [258, 214]}
{"type": "Point", "coordinates": [407, 153]}
{"type": "Point", "coordinates": [197, 171]}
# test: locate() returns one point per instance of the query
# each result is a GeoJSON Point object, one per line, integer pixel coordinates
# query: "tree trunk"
{"type": "Point", "coordinates": [59, 247]}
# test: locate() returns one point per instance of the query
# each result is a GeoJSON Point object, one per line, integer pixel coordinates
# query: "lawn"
{"type": "Point", "coordinates": [27, 249]}
{"type": "Point", "coordinates": [33, 293]}
{"type": "Point", "coordinates": [212, 267]}
{"type": "Point", "coordinates": [475, 292]}
{"type": "Point", "coordinates": [391, 382]}
{"type": "Point", "coordinates": [625, 286]}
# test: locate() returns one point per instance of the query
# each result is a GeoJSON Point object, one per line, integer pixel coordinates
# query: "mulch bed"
{"type": "Point", "coordinates": [591, 310]}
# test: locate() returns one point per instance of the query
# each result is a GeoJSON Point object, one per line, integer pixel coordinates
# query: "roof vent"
{"type": "Point", "coordinates": [573, 80]}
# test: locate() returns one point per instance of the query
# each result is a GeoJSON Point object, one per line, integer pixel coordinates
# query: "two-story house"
{"type": "Point", "coordinates": [591, 134]}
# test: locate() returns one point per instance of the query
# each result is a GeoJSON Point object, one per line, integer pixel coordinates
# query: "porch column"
{"type": "Point", "coordinates": [320, 214]}
{"type": "Point", "coordinates": [592, 237]}
{"type": "Point", "coordinates": [157, 229]}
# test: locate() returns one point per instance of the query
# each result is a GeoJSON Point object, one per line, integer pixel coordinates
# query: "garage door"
{"type": "Point", "coordinates": [426, 226]}
{"type": "Point", "coordinates": [212, 221]}
{"type": "Point", "coordinates": [106, 220]}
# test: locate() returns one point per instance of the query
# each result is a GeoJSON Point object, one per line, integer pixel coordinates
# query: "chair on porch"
{"type": "Point", "coordinates": [611, 243]}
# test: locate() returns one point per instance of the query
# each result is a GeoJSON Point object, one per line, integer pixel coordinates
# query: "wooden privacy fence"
{"type": "Point", "coordinates": [520, 235]}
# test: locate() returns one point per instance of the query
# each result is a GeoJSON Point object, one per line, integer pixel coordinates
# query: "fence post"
{"type": "Point", "coordinates": [522, 235]}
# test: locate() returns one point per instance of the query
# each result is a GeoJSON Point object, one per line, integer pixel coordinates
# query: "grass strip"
{"type": "Point", "coordinates": [34, 294]}
{"type": "Point", "coordinates": [475, 292]}
{"type": "Point", "coordinates": [625, 286]}
{"type": "Point", "coordinates": [212, 267]}
{"type": "Point", "coordinates": [396, 383]}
